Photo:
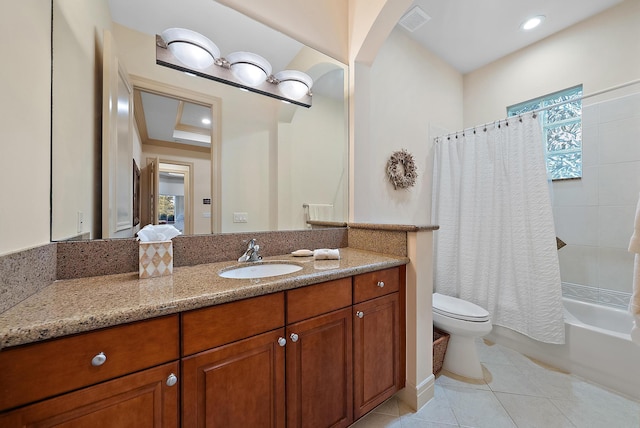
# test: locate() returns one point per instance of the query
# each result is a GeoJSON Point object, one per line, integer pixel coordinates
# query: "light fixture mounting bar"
{"type": "Point", "coordinates": [222, 74]}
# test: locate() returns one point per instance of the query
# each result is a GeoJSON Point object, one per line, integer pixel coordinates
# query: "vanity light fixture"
{"type": "Point", "coordinates": [293, 83]}
{"type": "Point", "coordinates": [532, 22]}
{"type": "Point", "coordinates": [190, 52]}
{"type": "Point", "coordinates": [251, 69]}
{"type": "Point", "coordinates": [191, 48]}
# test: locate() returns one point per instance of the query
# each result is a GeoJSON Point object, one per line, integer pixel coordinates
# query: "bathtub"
{"type": "Point", "coordinates": [598, 346]}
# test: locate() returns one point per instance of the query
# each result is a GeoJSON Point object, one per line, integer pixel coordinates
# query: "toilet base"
{"type": "Point", "coordinates": [462, 358]}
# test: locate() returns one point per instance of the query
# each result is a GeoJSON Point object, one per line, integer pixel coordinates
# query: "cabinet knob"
{"type": "Point", "coordinates": [99, 359]}
{"type": "Point", "coordinates": [380, 284]}
{"type": "Point", "coordinates": [359, 314]}
{"type": "Point", "coordinates": [294, 337]}
{"type": "Point", "coordinates": [172, 379]}
{"type": "Point", "coordinates": [282, 341]}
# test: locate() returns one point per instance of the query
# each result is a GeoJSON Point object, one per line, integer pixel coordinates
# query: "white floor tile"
{"type": "Point", "coordinates": [477, 408]}
{"type": "Point", "coordinates": [517, 392]}
{"type": "Point", "coordinates": [510, 379]}
{"type": "Point", "coordinates": [438, 410]}
{"type": "Point", "coordinates": [593, 406]}
{"type": "Point", "coordinates": [446, 378]}
{"type": "Point", "coordinates": [533, 412]}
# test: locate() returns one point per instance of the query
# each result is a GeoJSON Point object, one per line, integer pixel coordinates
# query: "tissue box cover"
{"type": "Point", "coordinates": [156, 259]}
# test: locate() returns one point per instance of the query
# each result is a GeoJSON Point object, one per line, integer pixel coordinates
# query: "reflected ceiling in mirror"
{"type": "Point", "coordinates": [165, 119]}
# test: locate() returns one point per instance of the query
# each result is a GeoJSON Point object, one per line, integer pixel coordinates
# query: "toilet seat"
{"type": "Point", "coordinates": [453, 307]}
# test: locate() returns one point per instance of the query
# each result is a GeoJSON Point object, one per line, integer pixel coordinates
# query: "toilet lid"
{"type": "Point", "coordinates": [459, 309]}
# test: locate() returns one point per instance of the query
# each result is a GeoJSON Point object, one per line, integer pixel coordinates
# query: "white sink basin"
{"type": "Point", "coordinates": [262, 270]}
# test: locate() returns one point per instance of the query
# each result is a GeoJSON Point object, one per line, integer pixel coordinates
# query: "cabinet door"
{"type": "Point", "coordinates": [319, 371]}
{"type": "Point", "coordinates": [236, 385]}
{"type": "Point", "coordinates": [377, 352]}
{"type": "Point", "coordinates": [143, 399]}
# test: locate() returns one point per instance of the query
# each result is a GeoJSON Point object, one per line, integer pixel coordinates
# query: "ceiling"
{"type": "Point", "coordinates": [468, 34]}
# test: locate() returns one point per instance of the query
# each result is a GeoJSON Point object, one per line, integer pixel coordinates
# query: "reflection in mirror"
{"type": "Point", "coordinates": [267, 159]}
{"type": "Point", "coordinates": [173, 191]}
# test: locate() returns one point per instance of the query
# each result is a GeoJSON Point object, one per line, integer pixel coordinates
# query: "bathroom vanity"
{"type": "Point", "coordinates": [319, 347]}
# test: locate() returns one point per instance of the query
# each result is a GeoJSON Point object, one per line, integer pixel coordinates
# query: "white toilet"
{"type": "Point", "coordinates": [464, 321]}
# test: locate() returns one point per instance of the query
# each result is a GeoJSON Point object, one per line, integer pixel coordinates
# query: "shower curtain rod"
{"type": "Point", "coordinates": [534, 112]}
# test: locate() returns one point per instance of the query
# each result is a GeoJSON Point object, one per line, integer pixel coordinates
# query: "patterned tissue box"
{"type": "Point", "coordinates": [156, 259]}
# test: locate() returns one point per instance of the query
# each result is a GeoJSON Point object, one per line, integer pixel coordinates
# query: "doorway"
{"type": "Point", "coordinates": [175, 205]}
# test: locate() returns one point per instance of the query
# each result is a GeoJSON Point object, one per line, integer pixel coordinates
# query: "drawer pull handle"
{"type": "Point", "coordinates": [282, 341]}
{"type": "Point", "coordinates": [172, 379]}
{"type": "Point", "coordinates": [294, 337]}
{"type": "Point", "coordinates": [360, 314]}
{"type": "Point", "coordinates": [99, 359]}
{"type": "Point", "coordinates": [380, 284]}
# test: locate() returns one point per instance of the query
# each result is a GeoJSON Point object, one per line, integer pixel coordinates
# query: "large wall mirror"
{"type": "Point", "coordinates": [253, 166]}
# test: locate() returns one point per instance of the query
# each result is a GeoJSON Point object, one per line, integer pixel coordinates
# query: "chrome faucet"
{"type": "Point", "coordinates": [251, 255]}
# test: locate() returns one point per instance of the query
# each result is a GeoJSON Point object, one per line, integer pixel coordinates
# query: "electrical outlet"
{"type": "Point", "coordinates": [206, 214]}
{"type": "Point", "coordinates": [240, 217]}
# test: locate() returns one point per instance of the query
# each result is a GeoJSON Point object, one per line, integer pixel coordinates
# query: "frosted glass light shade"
{"type": "Point", "coordinates": [294, 84]}
{"type": "Point", "coordinates": [192, 49]}
{"type": "Point", "coordinates": [251, 69]}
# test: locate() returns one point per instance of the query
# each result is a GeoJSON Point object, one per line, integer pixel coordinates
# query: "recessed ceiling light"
{"type": "Point", "coordinates": [206, 121]}
{"type": "Point", "coordinates": [532, 23]}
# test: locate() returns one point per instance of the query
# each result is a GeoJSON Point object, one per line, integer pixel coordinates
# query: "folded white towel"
{"type": "Point", "coordinates": [326, 254]}
{"type": "Point", "coordinates": [634, 243]}
{"type": "Point", "coordinates": [320, 212]}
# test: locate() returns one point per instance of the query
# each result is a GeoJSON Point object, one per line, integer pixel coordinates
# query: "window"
{"type": "Point", "coordinates": [561, 130]}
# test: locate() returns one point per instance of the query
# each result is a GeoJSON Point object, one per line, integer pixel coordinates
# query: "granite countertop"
{"type": "Point", "coordinates": [79, 305]}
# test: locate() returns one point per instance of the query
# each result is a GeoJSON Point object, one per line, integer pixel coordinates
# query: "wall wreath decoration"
{"type": "Point", "coordinates": [402, 170]}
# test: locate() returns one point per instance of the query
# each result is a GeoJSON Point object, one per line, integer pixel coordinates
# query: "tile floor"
{"type": "Point", "coordinates": [516, 392]}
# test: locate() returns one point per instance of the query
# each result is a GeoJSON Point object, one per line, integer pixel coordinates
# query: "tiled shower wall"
{"type": "Point", "coordinates": [594, 215]}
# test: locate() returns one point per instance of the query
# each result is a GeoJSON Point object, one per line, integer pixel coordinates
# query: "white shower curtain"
{"type": "Point", "coordinates": [496, 244]}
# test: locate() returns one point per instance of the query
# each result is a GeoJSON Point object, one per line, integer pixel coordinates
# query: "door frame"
{"type": "Point", "coordinates": [215, 104]}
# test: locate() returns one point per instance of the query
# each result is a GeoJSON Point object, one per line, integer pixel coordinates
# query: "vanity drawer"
{"type": "Point", "coordinates": [221, 324]}
{"type": "Point", "coordinates": [307, 302]}
{"type": "Point", "coordinates": [33, 372]}
{"type": "Point", "coordinates": [375, 284]}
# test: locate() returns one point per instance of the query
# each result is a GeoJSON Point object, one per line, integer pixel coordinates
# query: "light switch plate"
{"type": "Point", "coordinates": [240, 217]}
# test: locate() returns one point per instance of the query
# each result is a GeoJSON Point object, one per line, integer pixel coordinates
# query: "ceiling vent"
{"type": "Point", "coordinates": [414, 19]}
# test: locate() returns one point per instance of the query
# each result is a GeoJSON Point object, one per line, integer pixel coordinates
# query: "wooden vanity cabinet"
{"type": "Point", "coordinates": [233, 364]}
{"type": "Point", "coordinates": [316, 356]}
{"type": "Point", "coordinates": [378, 338]}
{"type": "Point", "coordinates": [141, 399]}
{"type": "Point", "coordinates": [123, 376]}
{"type": "Point", "coordinates": [319, 355]}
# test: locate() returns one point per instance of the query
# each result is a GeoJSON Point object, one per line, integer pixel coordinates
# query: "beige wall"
{"type": "Point", "coordinates": [24, 124]}
{"type": "Point", "coordinates": [599, 53]}
{"type": "Point", "coordinates": [412, 94]}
